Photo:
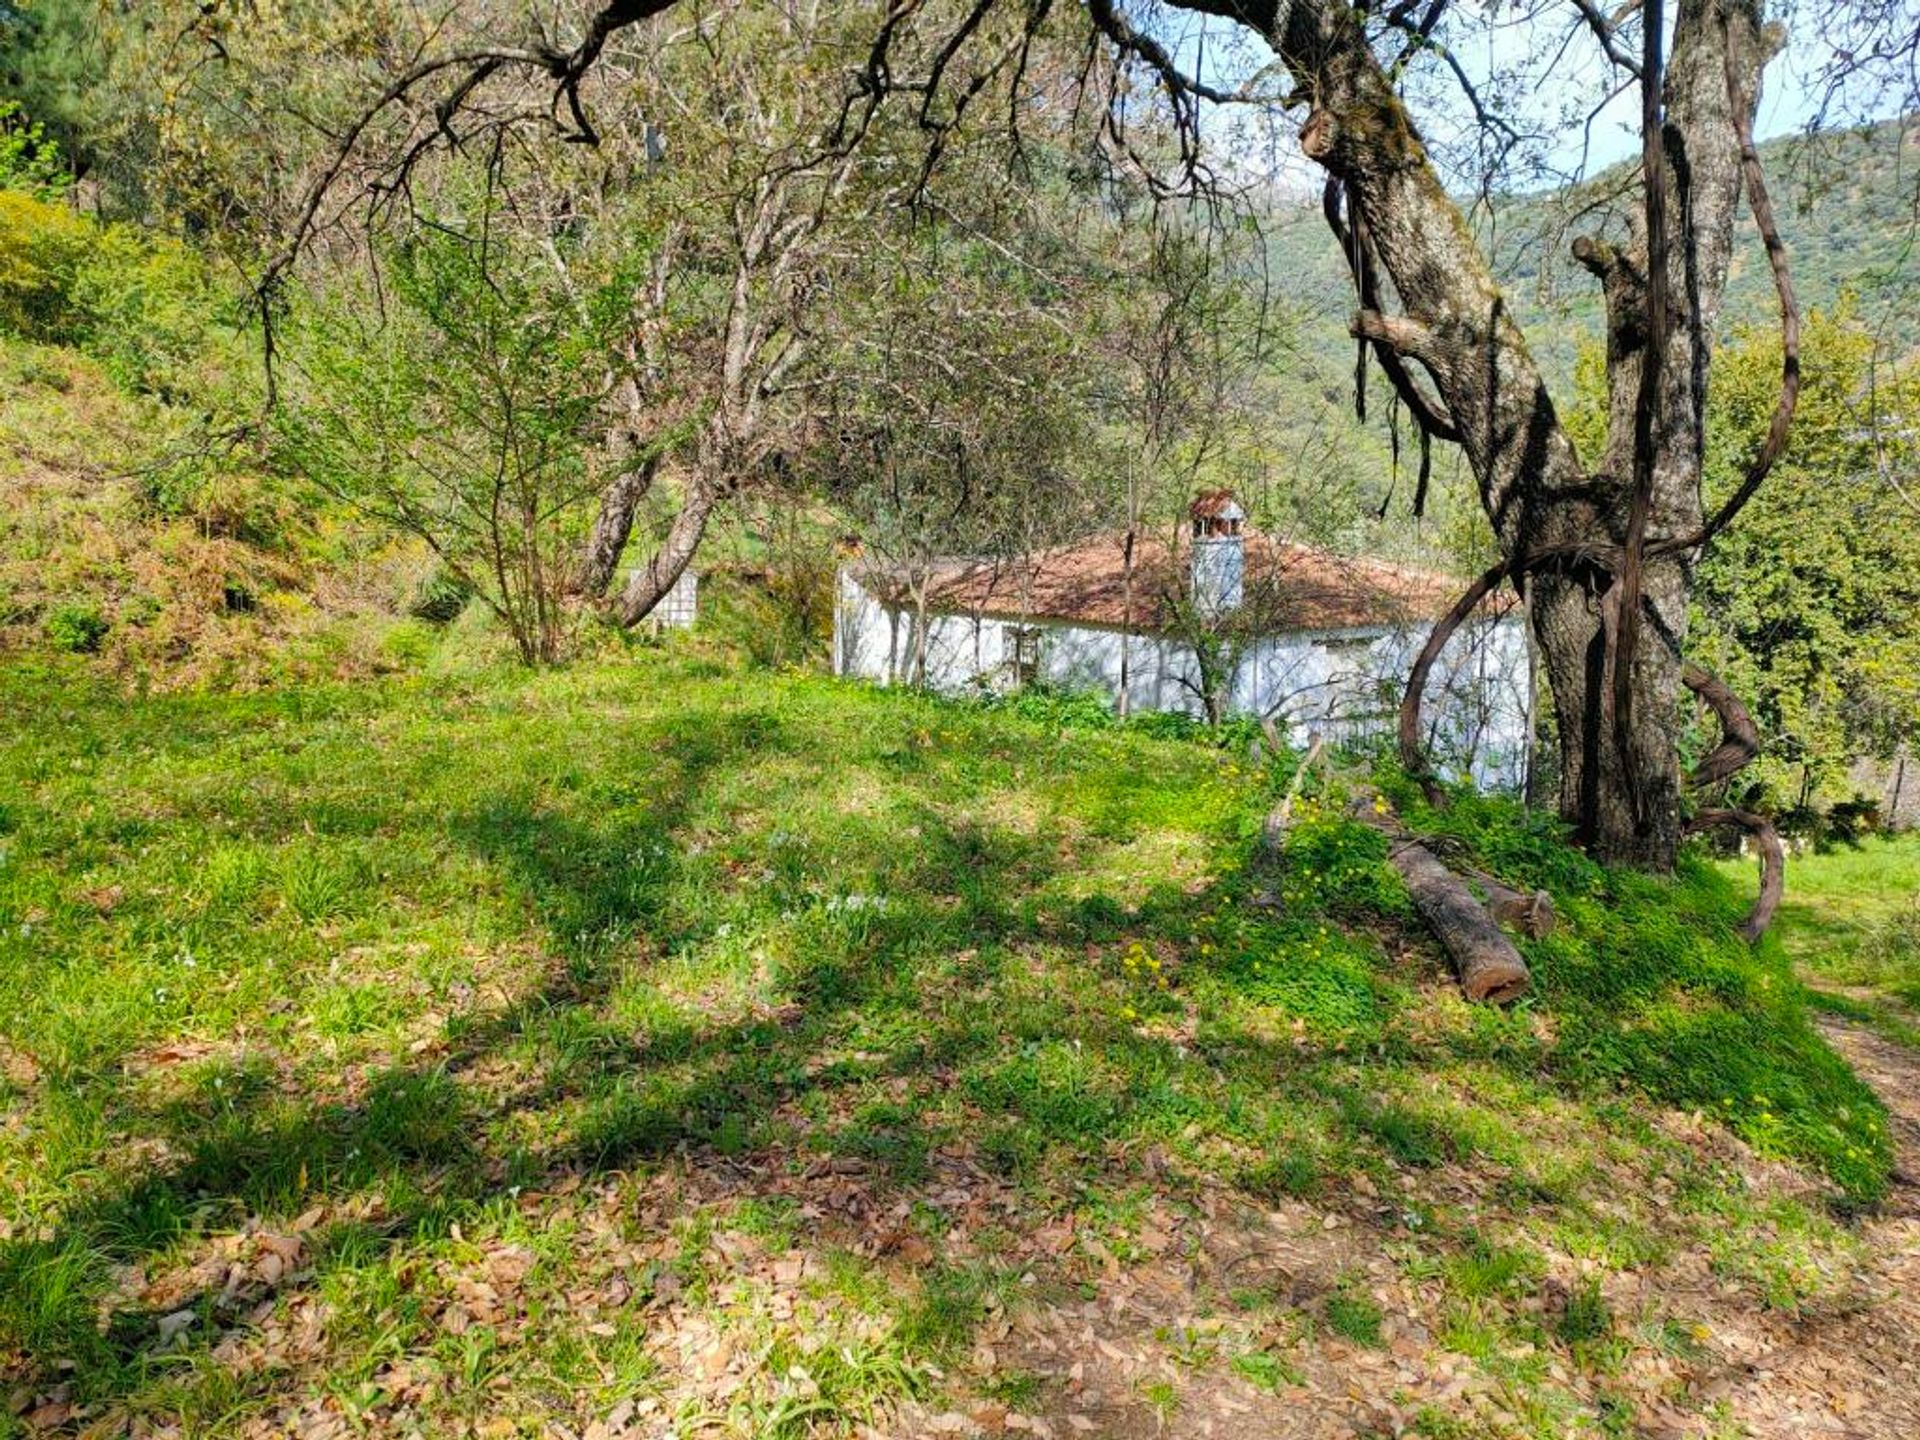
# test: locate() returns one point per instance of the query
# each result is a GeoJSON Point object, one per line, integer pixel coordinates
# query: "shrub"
{"type": "Point", "coordinates": [77, 627]}
{"type": "Point", "coordinates": [1851, 821]}
{"type": "Point", "coordinates": [42, 247]}
{"type": "Point", "coordinates": [1586, 1317]}
{"type": "Point", "coordinates": [439, 597]}
{"type": "Point", "coordinates": [143, 302]}
{"type": "Point", "coordinates": [454, 403]}
{"type": "Point", "coordinates": [776, 617]}
{"type": "Point", "coordinates": [29, 162]}
{"type": "Point", "coordinates": [137, 302]}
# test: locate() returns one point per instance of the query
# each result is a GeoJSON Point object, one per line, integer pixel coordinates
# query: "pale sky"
{"type": "Point", "coordinates": [1513, 49]}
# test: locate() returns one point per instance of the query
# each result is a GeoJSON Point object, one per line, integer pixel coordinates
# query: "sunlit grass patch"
{"type": "Point", "coordinates": [1850, 921]}
{"type": "Point", "coordinates": [572, 1014]}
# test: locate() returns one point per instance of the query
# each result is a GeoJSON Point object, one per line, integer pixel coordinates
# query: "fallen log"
{"type": "Point", "coordinates": [1491, 970]}
{"type": "Point", "coordinates": [1274, 833]}
{"type": "Point", "coordinates": [1532, 915]}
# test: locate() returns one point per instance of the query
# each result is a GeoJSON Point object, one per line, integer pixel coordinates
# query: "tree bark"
{"type": "Point", "coordinates": [613, 527]}
{"type": "Point", "coordinates": [650, 584]}
{"type": "Point", "coordinates": [1491, 970]}
{"type": "Point", "coordinates": [1621, 791]}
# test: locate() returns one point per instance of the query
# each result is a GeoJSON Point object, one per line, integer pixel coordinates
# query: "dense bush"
{"type": "Point", "coordinates": [77, 626]}
{"type": "Point", "coordinates": [42, 245]}
{"type": "Point", "coordinates": [29, 162]}
{"type": "Point", "coordinates": [140, 303]}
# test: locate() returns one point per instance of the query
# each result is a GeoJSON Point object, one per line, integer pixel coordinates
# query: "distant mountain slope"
{"type": "Point", "coordinates": [1847, 211]}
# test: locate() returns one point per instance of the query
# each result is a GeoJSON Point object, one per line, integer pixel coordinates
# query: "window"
{"type": "Point", "coordinates": [1023, 653]}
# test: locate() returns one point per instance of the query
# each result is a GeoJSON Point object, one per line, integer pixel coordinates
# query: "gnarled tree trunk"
{"type": "Point", "coordinates": [1457, 356]}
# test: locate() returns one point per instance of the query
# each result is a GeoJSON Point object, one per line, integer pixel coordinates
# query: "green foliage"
{"type": "Point", "coordinates": [590, 932]}
{"type": "Point", "coordinates": [1528, 848]}
{"type": "Point", "coordinates": [55, 77]}
{"type": "Point", "coordinates": [77, 626]}
{"type": "Point", "coordinates": [460, 404]}
{"type": "Point", "coordinates": [1843, 201]}
{"type": "Point", "coordinates": [30, 163]}
{"type": "Point", "coordinates": [1266, 1370]}
{"type": "Point", "coordinates": [1322, 975]}
{"type": "Point", "coordinates": [439, 597]}
{"type": "Point", "coordinates": [1338, 866]}
{"type": "Point", "coordinates": [147, 306]}
{"type": "Point", "coordinates": [206, 568]}
{"type": "Point", "coordinates": [1809, 607]}
{"type": "Point", "coordinates": [1049, 705]}
{"type": "Point", "coordinates": [780, 617]}
{"type": "Point", "coordinates": [137, 300]}
{"type": "Point", "coordinates": [141, 303]}
{"type": "Point", "coordinates": [42, 246]}
{"type": "Point", "coordinates": [1587, 1317]}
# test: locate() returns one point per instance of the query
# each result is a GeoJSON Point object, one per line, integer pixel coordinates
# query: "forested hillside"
{"type": "Point", "coordinates": [1846, 203]}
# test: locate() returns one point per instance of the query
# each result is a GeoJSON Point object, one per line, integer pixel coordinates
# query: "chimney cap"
{"type": "Point", "coordinates": [1216, 505]}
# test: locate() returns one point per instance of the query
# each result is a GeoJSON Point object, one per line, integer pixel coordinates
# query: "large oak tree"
{"type": "Point", "coordinates": [1603, 544]}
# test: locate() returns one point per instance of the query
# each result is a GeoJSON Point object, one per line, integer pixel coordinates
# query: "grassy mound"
{"type": "Point", "coordinates": [611, 977]}
{"type": "Point", "coordinates": [1651, 987]}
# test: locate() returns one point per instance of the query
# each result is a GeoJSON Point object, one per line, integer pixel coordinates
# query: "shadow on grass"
{"type": "Point", "coordinates": [872, 1029]}
{"type": "Point", "coordinates": [567, 1081]}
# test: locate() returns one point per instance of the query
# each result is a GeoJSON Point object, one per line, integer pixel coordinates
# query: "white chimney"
{"type": "Point", "coordinates": [1219, 553]}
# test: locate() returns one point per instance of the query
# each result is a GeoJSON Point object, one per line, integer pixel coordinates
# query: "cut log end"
{"type": "Point", "coordinates": [1491, 970]}
{"type": "Point", "coordinates": [1496, 984]}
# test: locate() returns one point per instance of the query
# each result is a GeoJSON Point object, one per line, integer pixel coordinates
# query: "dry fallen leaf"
{"type": "Point", "coordinates": [175, 1324]}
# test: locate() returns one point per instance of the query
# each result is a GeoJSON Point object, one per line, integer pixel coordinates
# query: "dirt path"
{"type": "Point", "coordinates": [1132, 1362]}
{"type": "Point", "coordinates": [1855, 1373]}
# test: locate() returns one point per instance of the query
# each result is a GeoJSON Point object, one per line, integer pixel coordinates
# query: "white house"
{"type": "Point", "coordinates": [1343, 635]}
{"type": "Point", "coordinates": [679, 607]}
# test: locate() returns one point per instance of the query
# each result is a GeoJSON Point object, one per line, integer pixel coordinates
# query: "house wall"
{"type": "Point", "coordinates": [679, 607]}
{"type": "Point", "coordinates": [1344, 684]}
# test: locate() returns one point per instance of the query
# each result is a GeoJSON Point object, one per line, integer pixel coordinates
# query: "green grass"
{"type": "Point", "coordinates": [618, 982]}
{"type": "Point", "coordinates": [1850, 923]}
{"type": "Point", "coordinates": [1650, 992]}
{"type": "Point", "coordinates": [1853, 915]}
{"type": "Point", "coordinates": [1354, 1316]}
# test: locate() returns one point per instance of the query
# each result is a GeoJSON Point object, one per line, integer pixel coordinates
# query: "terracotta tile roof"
{"type": "Point", "coordinates": [1210, 503]}
{"type": "Point", "coordinates": [1086, 583]}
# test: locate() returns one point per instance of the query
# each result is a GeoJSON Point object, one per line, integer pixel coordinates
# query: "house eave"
{"type": "Point", "coordinates": [1141, 631]}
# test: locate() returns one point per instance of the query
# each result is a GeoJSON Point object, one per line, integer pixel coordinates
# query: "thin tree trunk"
{"type": "Point", "coordinates": [650, 584]}
{"type": "Point", "coordinates": [613, 527]}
